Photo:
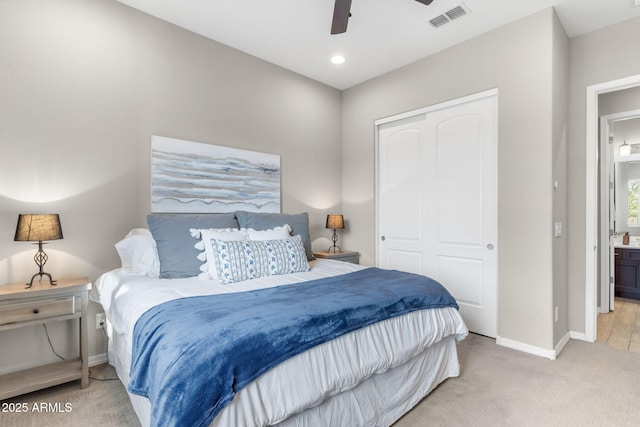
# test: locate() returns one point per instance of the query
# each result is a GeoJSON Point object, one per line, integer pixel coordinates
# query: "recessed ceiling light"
{"type": "Point", "coordinates": [338, 59]}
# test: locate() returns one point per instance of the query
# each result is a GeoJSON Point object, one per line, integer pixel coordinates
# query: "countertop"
{"type": "Point", "coordinates": [634, 242]}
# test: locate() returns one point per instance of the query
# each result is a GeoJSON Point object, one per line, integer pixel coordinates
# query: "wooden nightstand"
{"type": "Point", "coordinates": [346, 256]}
{"type": "Point", "coordinates": [43, 303]}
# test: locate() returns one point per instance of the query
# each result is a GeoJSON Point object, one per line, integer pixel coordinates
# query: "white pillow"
{"type": "Point", "coordinates": [205, 235]}
{"type": "Point", "coordinates": [275, 233]}
{"type": "Point", "coordinates": [138, 253]}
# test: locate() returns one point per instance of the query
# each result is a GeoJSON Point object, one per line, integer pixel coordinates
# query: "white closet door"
{"type": "Point", "coordinates": [437, 201]}
{"type": "Point", "coordinates": [402, 196]}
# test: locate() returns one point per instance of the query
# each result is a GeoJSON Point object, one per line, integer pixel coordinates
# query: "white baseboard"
{"type": "Point", "coordinates": [563, 342]}
{"type": "Point", "coordinates": [579, 336]}
{"type": "Point", "coordinates": [536, 351]}
{"type": "Point", "coordinates": [526, 348]}
{"type": "Point", "coordinates": [98, 359]}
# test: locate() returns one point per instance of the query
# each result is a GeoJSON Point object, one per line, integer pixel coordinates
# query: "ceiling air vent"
{"type": "Point", "coordinates": [456, 12]}
{"type": "Point", "coordinates": [449, 16]}
{"type": "Point", "coordinates": [439, 21]}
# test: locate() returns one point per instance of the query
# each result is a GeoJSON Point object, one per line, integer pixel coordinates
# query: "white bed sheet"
{"type": "Point", "coordinates": [335, 375]}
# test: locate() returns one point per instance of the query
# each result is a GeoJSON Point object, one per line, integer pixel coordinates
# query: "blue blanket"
{"type": "Point", "coordinates": [191, 355]}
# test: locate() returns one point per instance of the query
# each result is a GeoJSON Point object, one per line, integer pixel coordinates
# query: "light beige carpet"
{"type": "Point", "coordinates": [589, 385]}
{"type": "Point", "coordinates": [104, 403]}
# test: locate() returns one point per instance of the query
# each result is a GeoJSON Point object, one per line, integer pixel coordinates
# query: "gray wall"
{"type": "Point", "coordinates": [518, 59]}
{"type": "Point", "coordinates": [597, 57]}
{"type": "Point", "coordinates": [84, 85]}
{"type": "Point", "coordinates": [560, 179]}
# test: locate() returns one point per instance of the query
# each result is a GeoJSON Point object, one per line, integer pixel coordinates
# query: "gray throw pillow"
{"type": "Point", "coordinates": [299, 224]}
{"type": "Point", "coordinates": [178, 256]}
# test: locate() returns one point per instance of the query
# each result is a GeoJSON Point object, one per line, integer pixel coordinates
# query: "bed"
{"type": "Point", "coordinates": [366, 375]}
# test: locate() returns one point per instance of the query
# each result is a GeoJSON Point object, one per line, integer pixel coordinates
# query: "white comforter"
{"type": "Point", "coordinates": [303, 381]}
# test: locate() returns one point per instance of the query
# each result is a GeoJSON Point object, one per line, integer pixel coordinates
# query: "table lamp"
{"type": "Point", "coordinates": [335, 222]}
{"type": "Point", "coordinates": [36, 228]}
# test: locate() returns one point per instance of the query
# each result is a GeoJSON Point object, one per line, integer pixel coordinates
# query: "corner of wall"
{"type": "Point", "coordinates": [559, 117]}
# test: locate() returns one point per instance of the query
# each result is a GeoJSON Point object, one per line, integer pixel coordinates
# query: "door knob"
{"type": "Point", "coordinates": [490, 246]}
{"type": "Point", "coordinates": [383, 238]}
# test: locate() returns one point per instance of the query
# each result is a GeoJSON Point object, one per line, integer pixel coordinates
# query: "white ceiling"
{"type": "Point", "coordinates": [382, 34]}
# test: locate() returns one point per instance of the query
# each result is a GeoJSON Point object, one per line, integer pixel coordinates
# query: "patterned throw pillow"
{"type": "Point", "coordinates": [249, 259]}
{"type": "Point", "coordinates": [203, 244]}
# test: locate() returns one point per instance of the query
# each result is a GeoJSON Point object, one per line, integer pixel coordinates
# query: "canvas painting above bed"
{"type": "Point", "coordinates": [193, 177]}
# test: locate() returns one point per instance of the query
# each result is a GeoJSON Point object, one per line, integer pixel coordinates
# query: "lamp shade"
{"type": "Point", "coordinates": [38, 227]}
{"type": "Point", "coordinates": [335, 222]}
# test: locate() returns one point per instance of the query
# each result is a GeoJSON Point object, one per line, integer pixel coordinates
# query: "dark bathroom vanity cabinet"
{"type": "Point", "coordinates": [627, 272]}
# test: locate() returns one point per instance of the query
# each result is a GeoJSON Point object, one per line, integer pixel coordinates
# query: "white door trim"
{"type": "Point", "coordinates": [591, 199]}
{"type": "Point", "coordinates": [606, 202]}
{"type": "Point", "coordinates": [440, 106]}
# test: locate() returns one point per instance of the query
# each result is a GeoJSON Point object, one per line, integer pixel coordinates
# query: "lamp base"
{"type": "Point", "coordinates": [335, 248]}
{"type": "Point", "coordinates": [41, 258]}
{"type": "Point", "coordinates": [41, 273]}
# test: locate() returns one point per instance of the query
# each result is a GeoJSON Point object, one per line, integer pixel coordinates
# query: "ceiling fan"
{"type": "Point", "coordinates": [342, 12]}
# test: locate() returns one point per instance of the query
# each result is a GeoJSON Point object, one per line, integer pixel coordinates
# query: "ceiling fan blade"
{"type": "Point", "coordinates": [425, 2]}
{"type": "Point", "coordinates": [341, 13]}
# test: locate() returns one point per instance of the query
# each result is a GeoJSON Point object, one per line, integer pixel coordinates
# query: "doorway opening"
{"type": "Point", "coordinates": [619, 244]}
{"type": "Point", "coordinates": [592, 222]}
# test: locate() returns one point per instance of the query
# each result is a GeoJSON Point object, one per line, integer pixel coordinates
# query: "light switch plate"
{"type": "Point", "coordinates": [558, 229]}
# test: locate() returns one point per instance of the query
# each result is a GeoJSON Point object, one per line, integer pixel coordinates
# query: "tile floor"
{"type": "Point", "coordinates": [621, 328]}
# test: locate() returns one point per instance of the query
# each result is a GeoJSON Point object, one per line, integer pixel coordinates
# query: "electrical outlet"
{"type": "Point", "coordinates": [100, 320]}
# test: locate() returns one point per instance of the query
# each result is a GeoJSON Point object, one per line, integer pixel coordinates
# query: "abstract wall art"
{"type": "Point", "coordinates": [194, 177]}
